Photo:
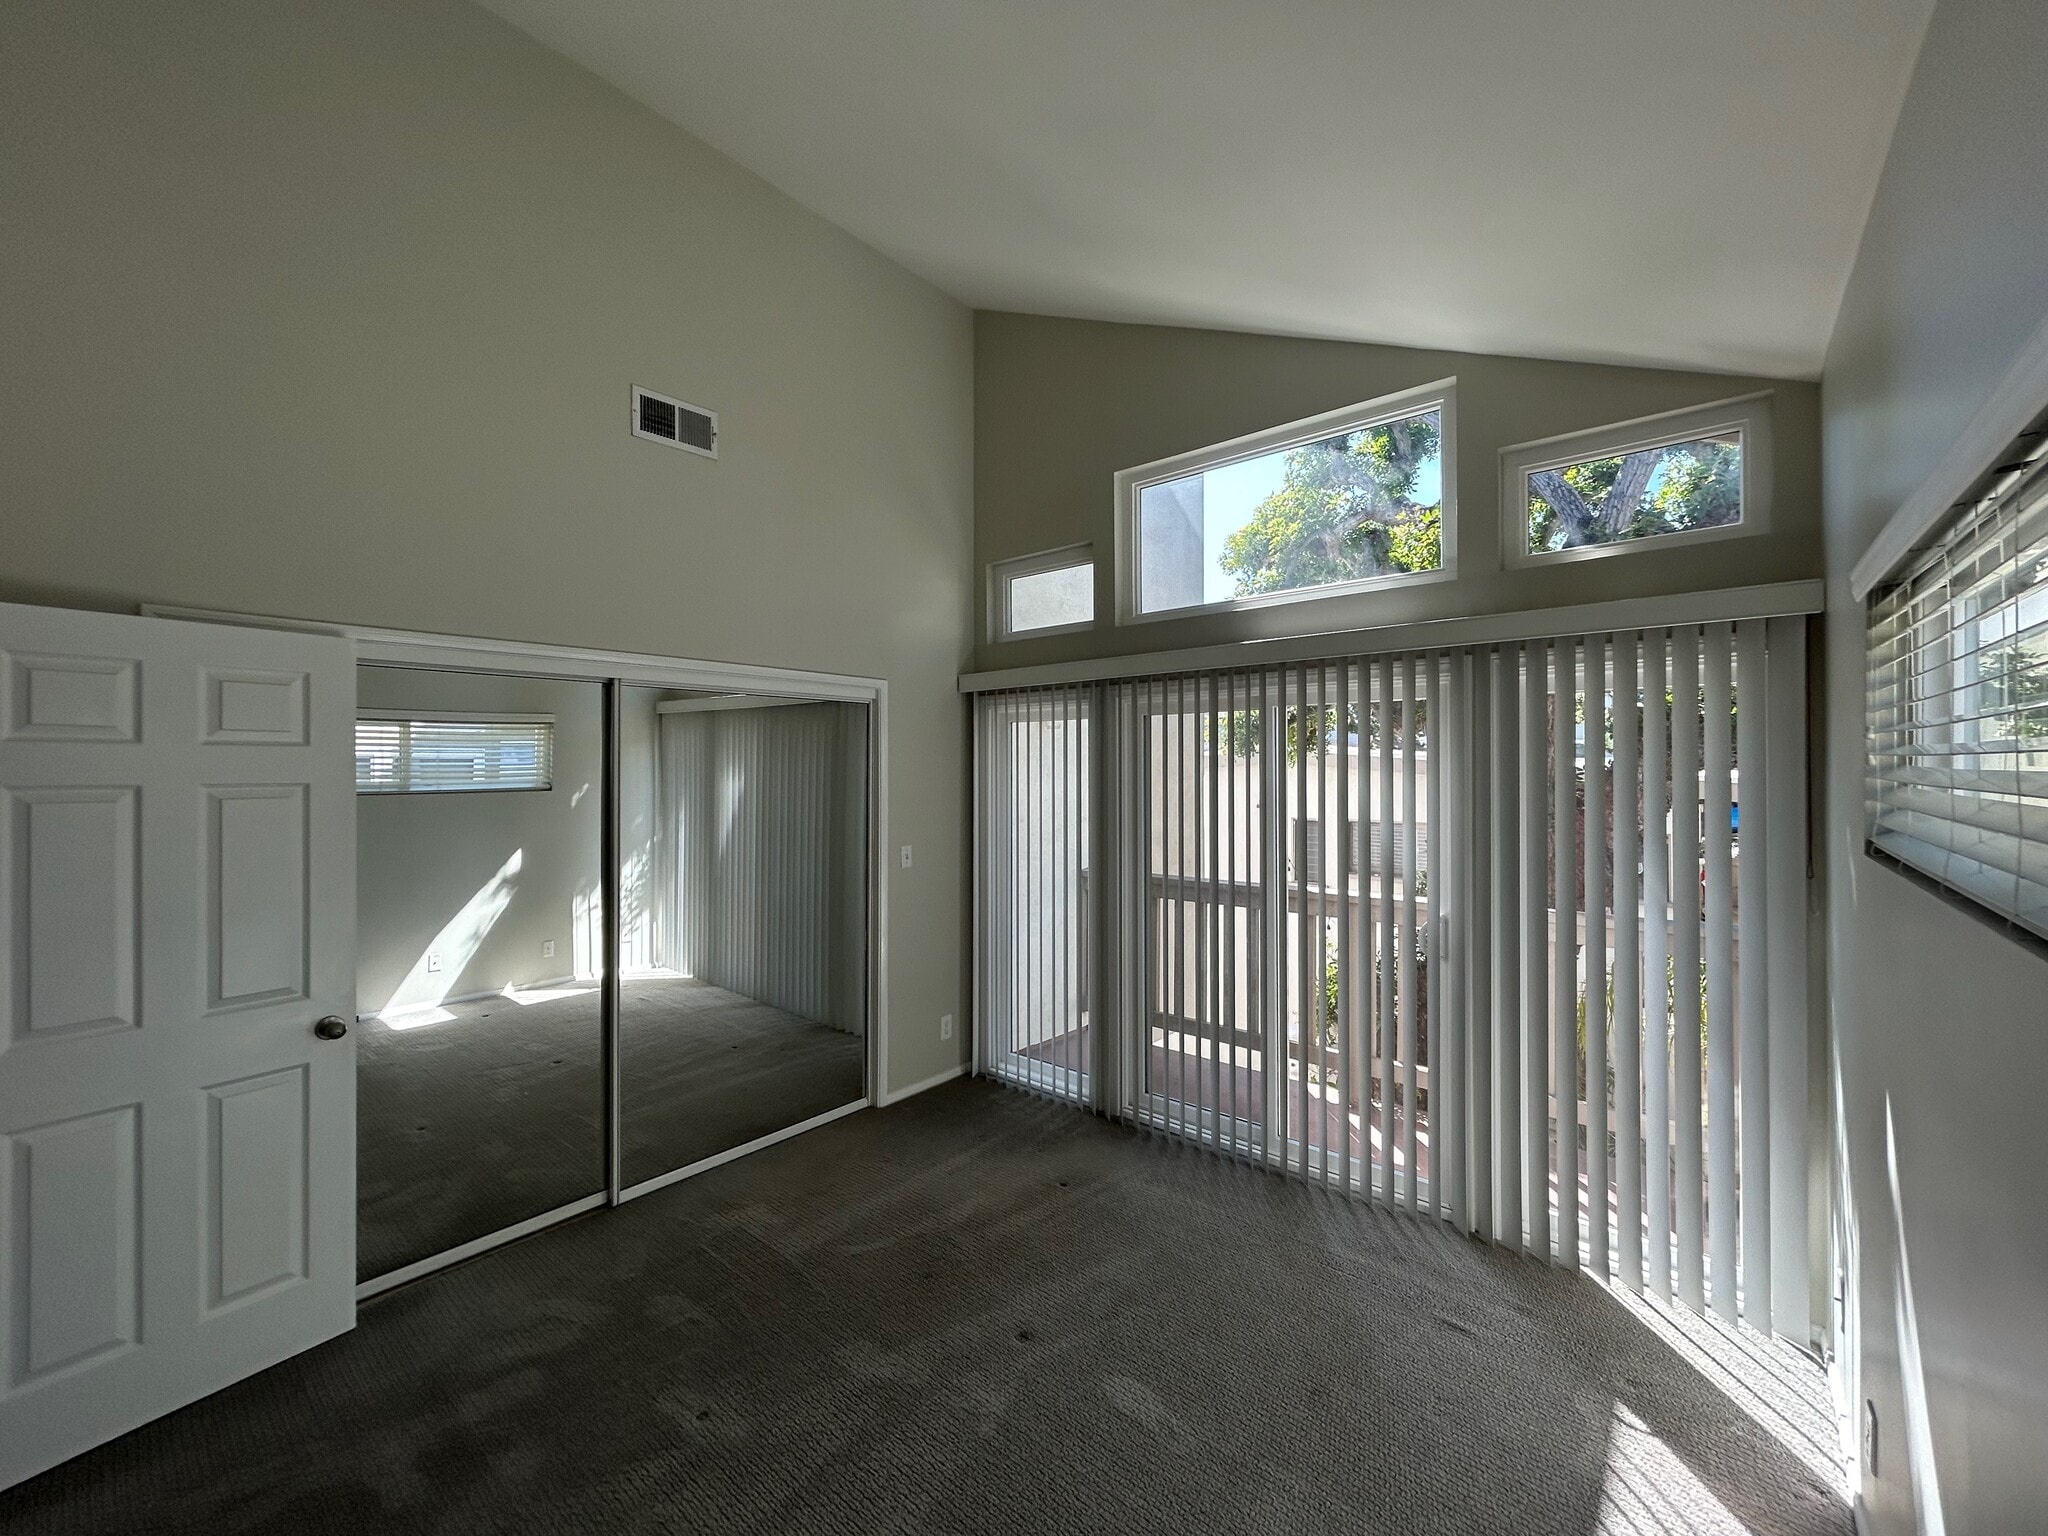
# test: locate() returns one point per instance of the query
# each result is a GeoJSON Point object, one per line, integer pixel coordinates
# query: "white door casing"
{"type": "Point", "coordinates": [177, 1147]}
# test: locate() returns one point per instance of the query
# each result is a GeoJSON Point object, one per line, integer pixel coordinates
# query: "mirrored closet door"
{"type": "Point", "coordinates": [480, 1097]}
{"type": "Point", "coordinates": [743, 871]}
{"type": "Point", "coordinates": [502, 1082]}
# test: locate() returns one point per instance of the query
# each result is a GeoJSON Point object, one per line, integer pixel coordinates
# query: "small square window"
{"type": "Point", "coordinates": [1688, 476]}
{"type": "Point", "coordinates": [1353, 499]}
{"type": "Point", "coordinates": [1043, 594]}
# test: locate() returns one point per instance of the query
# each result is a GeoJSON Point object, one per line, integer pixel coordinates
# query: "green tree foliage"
{"type": "Point", "coordinates": [1637, 495]}
{"type": "Point", "coordinates": [1317, 729]}
{"type": "Point", "coordinates": [1345, 511]}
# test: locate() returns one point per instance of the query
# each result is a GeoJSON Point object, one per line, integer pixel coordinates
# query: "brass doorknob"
{"type": "Point", "coordinates": [333, 1027]}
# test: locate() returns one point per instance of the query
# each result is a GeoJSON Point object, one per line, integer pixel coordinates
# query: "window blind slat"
{"type": "Point", "coordinates": [1657, 826]}
{"type": "Point", "coordinates": [1565, 953]}
{"type": "Point", "coordinates": [1719, 760]}
{"type": "Point", "coordinates": [1534, 919]}
{"type": "Point", "coordinates": [1957, 703]}
{"type": "Point", "coordinates": [1628, 972]}
{"type": "Point", "coordinates": [411, 757]}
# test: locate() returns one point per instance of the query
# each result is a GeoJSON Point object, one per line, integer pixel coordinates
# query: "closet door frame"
{"type": "Point", "coordinates": [616, 670]}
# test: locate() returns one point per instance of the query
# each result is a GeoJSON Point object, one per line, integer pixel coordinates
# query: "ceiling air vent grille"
{"type": "Point", "coordinates": [661, 419]}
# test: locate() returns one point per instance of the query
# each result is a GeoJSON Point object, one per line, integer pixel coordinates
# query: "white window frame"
{"type": "Point", "coordinates": [1442, 395]}
{"type": "Point", "coordinates": [1002, 572]}
{"type": "Point", "coordinates": [1749, 415]}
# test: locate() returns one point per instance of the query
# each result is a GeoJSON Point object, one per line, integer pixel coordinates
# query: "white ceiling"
{"type": "Point", "coordinates": [1614, 180]}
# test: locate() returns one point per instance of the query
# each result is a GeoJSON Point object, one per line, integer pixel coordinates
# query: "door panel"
{"type": "Point", "coordinates": [176, 877]}
{"type": "Point", "coordinates": [75, 955]}
{"type": "Point", "coordinates": [256, 885]}
{"type": "Point", "coordinates": [75, 1228]}
{"type": "Point", "coordinates": [255, 1185]}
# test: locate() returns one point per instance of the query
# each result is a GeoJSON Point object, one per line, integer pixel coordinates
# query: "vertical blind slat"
{"type": "Point", "coordinates": [1785, 768]}
{"type": "Point", "coordinates": [1564, 955]}
{"type": "Point", "coordinates": [1753, 938]}
{"type": "Point", "coordinates": [1410, 1046]}
{"type": "Point", "coordinates": [1628, 973]}
{"type": "Point", "coordinates": [1722, 1208]}
{"type": "Point", "coordinates": [1594, 987]}
{"type": "Point", "coordinates": [1687, 1010]}
{"type": "Point", "coordinates": [1657, 963]}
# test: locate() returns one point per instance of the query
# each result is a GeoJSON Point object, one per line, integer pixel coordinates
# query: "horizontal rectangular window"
{"type": "Point", "coordinates": [1043, 594]}
{"type": "Point", "coordinates": [1352, 499]}
{"type": "Point", "coordinates": [1957, 777]}
{"type": "Point", "coordinates": [1689, 474]}
{"type": "Point", "coordinates": [398, 755]}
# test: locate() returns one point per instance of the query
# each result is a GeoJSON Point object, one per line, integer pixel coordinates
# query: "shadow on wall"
{"type": "Point", "coordinates": [458, 942]}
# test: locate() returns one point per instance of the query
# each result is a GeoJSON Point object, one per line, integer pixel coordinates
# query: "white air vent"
{"type": "Point", "coordinates": [660, 419]}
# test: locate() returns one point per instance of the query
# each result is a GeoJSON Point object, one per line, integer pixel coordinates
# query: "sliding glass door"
{"type": "Point", "coordinates": [1483, 931]}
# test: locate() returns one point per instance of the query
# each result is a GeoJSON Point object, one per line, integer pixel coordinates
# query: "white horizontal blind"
{"type": "Point", "coordinates": [415, 757]}
{"type": "Point", "coordinates": [1536, 996]}
{"type": "Point", "coordinates": [1958, 709]}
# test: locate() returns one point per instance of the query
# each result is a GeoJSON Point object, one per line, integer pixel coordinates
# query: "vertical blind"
{"type": "Point", "coordinates": [1958, 712]}
{"type": "Point", "coordinates": [758, 855]}
{"type": "Point", "coordinates": [1553, 991]}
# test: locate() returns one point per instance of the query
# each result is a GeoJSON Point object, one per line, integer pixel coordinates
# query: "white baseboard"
{"type": "Point", "coordinates": [898, 1095]}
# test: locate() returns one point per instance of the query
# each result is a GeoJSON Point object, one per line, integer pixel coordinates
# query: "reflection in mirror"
{"type": "Point", "coordinates": [479, 1062]}
{"type": "Point", "coordinates": [743, 920]}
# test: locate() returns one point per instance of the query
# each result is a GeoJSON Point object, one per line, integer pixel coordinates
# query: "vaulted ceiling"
{"type": "Point", "coordinates": [1611, 180]}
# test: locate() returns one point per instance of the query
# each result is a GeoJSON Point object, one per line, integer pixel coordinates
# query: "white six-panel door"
{"type": "Point", "coordinates": [177, 895]}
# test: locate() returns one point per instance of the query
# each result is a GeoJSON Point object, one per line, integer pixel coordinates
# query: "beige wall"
{"type": "Point", "coordinates": [1062, 405]}
{"type": "Point", "coordinates": [331, 310]}
{"type": "Point", "coordinates": [1936, 1015]}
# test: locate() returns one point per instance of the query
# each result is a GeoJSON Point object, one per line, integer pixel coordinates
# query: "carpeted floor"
{"type": "Point", "coordinates": [973, 1311]}
{"type": "Point", "coordinates": [486, 1113]}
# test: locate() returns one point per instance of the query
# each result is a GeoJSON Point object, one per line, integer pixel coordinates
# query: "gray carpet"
{"type": "Point", "coordinates": [471, 1123]}
{"type": "Point", "coordinates": [706, 1070]}
{"type": "Point", "coordinates": [973, 1311]}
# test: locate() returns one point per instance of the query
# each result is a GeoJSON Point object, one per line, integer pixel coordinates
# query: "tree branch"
{"type": "Point", "coordinates": [1572, 509]}
{"type": "Point", "coordinates": [1618, 508]}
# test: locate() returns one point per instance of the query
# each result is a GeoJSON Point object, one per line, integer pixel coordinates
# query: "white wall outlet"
{"type": "Point", "coordinates": [547, 949]}
{"type": "Point", "coordinates": [433, 963]}
{"type": "Point", "coordinates": [945, 1026]}
{"type": "Point", "coordinates": [906, 855]}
